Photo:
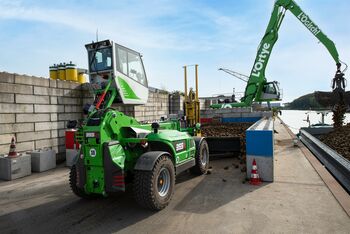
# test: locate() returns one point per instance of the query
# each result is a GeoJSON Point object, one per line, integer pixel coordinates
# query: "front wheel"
{"type": "Point", "coordinates": [154, 189]}
{"type": "Point", "coordinates": [202, 158]}
{"type": "Point", "coordinates": [73, 185]}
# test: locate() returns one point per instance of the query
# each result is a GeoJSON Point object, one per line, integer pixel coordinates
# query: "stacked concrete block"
{"type": "Point", "coordinates": [260, 147]}
{"type": "Point", "coordinates": [35, 110]}
{"type": "Point", "coordinates": [43, 160]}
{"type": "Point", "coordinates": [15, 167]}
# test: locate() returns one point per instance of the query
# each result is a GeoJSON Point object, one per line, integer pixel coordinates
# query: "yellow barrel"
{"type": "Point", "coordinates": [81, 78]}
{"type": "Point", "coordinates": [62, 71]}
{"type": "Point", "coordinates": [53, 72]}
{"type": "Point", "coordinates": [71, 72]}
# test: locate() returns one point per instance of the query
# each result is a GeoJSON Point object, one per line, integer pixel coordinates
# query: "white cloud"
{"type": "Point", "coordinates": [173, 33]}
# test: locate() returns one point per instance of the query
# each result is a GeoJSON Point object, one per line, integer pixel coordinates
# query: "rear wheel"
{"type": "Point", "coordinates": [154, 189]}
{"type": "Point", "coordinates": [73, 185]}
{"type": "Point", "coordinates": [202, 158]}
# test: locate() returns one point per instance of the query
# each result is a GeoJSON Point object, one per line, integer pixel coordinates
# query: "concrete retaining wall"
{"type": "Point", "coordinates": [35, 110]}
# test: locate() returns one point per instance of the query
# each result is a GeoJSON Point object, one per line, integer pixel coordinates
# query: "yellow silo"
{"type": "Point", "coordinates": [62, 71]}
{"type": "Point", "coordinates": [53, 72]}
{"type": "Point", "coordinates": [71, 72]}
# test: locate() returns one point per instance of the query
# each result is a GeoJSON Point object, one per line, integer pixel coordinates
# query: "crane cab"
{"type": "Point", "coordinates": [108, 59]}
{"type": "Point", "coordinates": [270, 92]}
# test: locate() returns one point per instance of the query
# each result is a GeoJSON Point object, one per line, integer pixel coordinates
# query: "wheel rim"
{"type": "Point", "coordinates": [204, 157]}
{"type": "Point", "coordinates": [163, 182]}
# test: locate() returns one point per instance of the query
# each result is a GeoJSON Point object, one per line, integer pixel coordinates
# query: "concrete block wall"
{"type": "Point", "coordinates": [35, 110]}
{"type": "Point", "coordinates": [156, 107]}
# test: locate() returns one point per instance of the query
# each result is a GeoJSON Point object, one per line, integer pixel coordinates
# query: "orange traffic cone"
{"type": "Point", "coordinates": [13, 152]}
{"type": "Point", "coordinates": [254, 177]}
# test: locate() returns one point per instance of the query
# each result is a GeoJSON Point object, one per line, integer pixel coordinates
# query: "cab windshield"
{"type": "Point", "coordinates": [100, 59]}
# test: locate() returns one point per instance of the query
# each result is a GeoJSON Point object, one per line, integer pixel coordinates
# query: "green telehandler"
{"type": "Point", "coordinates": [117, 150]}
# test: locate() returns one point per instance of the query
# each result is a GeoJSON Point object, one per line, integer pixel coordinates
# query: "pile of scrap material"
{"type": "Point", "coordinates": [227, 130]}
{"type": "Point", "coordinates": [224, 129]}
{"type": "Point", "coordinates": [339, 140]}
{"type": "Point", "coordinates": [328, 99]}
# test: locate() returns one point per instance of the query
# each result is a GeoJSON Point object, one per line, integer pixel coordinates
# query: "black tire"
{"type": "Point", "coordinates": [202, 158]}
{"type": "Point", "coordinates": [148, 186]}
{"type": "Point", "coordinates": [73, 185]}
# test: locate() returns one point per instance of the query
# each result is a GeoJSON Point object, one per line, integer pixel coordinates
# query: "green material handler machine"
{"type": "Point", "coordinates": [118, 152]}
{"type": "Point", "coordinates": [258, 89]}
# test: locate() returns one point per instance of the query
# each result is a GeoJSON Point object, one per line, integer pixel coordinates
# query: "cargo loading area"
{"type": "Point", "coordinates": [297, 201]}
{"type": "Point", "coordinates": [93, 148]}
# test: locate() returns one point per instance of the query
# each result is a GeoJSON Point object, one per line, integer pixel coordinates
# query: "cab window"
{"type": "Point", "coordinates": [129, 63]}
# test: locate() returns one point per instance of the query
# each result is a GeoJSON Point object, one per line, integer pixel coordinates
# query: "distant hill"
{"type": "Point", "coordinates": [316, 100]}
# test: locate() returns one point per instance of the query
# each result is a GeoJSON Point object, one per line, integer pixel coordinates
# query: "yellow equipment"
{"type": "Point", "coordinates": [62, 71]}
{"type": "Point", "coordinates": [53, 72]}
{"type": "Point", "coordinates": [81, 75]}
{"type": "Point", "coordinates": [192, 105]}
{"type": "Point", "coordinates": [71, 72]}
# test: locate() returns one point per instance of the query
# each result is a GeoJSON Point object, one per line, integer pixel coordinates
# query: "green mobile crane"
{"type": "Point", "coordinates": [258, 89]}
{"type": "Point", "coordinates": [116, 149]}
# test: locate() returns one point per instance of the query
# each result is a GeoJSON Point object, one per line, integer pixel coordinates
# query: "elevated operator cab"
{"type": "Point", "coordinates": [108, 59]}
{"type": "Point", "coordinates": [270, 92]}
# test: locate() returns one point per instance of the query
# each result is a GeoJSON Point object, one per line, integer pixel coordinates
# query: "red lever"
{"type": "Point", "coordinates": [100, 100]}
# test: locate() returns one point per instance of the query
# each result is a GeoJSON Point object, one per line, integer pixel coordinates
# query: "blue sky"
{"type": "Point", "coordinates": [170, 34]}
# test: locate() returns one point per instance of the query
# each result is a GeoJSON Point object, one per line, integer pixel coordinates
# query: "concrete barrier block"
{"type": "Point", "coordinates": [7, 77]}
{"type": "Point", "coordinates": [7, 118]}
{"type": "Point", "coordinates": [70, 116]}
{"type": "Point", "coordinates": [71, 108]}
{"type": "Point", "coordinates": [30, 136]}
{"type": "Point", "coordinates": [31, 80]}
{"type": "Point", "coordinates": [69, 100]}
{"type": "Point", "coordinates": [16, 88]}
{"type": "Point", "coordinates": [43, 160]}
{"type": "Point", "coordinates": [72, 92]}
{"type": "Point", "coordinates": [34, 99]}
{"type": "Point", "coordinates": [52, 83]}
{"type": "Point", "coordinates": [54, 133]}
{"type": "Point", "coordinates": [48, 91]}
{"type": "Point", "coordinates": [260, 145]}
{"type": "Point", "coordinates": [18, 108]}
{"type": "Point", "coordinates": [57, 92]}
{"type": "Point", "coordinates": [24, 146]}
{"type": "Point", "coordinates": [48, 108]}
{"type": "Point", "coordinates": [14, 168]}
{"type": "Point", "coordinates": [265, 167]}
{"type": "Point", "coordinates": [6, 138]}
{"type": "Point", "coordinates": [29, 118]}
{"type": "Point", "coordinates": [7, 97]}
{"type": "Point", "coordinates": [42, 91]}
{"type": "Point", "coordinates": [19, 127]}
{"type": "Point", "coordinates": [70, 156]}
{"type": "Point", "coordinates": [53, 100]}
{"type": "Point", "coordinates": [61, 132]}
{"type": "Point", "coordinates": [54, 117]}
{"type": "Point", "coordinates": [48, 126]}
{"type": "Point", "coordinates": [45, 143]}
{"type": "Point", "coordinates": [65, 84]}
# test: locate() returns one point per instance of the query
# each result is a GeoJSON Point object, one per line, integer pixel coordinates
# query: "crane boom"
{"type": "Point", "coordinates": [235, 74]}
{"type": "Point", "coordinates": [258, 89]}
